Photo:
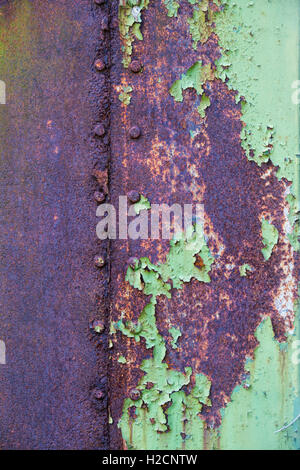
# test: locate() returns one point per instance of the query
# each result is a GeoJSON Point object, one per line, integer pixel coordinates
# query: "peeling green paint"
{"type": "Point", "coordinates": [130, 19]}
{"type": "Point", "coordinates": [204, 104]}
{"type": "Point", "coordinates": [122, 360]}
{"type": "Point", "coordinates": [172, 7]}
{"type": "Point", "coordinates": [244, 268]}
{"type": "Point", "coordinates": [124, 96]}
{"type": "Point", "coordinates": [142, 204]}
{"type": "Point", "coordinates": [201, 23]}
{"type": "Point", "coordinates": [262, 78]}
{"type": "Point", "coordinates": [293, 217]}
{"type": "Point", "coordinates": [195, 77]}
{"type": "Point", "coordinates": [175, 333]}
{"type": "Point", "coordinates": [269, 237]}
{"type": "Point", "coordinates": [166, 384]}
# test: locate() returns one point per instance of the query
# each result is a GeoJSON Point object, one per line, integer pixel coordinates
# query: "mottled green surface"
{"type": "Point", "coordinates": [269, 399]}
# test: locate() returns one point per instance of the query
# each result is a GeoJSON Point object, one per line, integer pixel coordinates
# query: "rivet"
{"type": "Point", "coordinates": [98, 394]}
{"type": "Point", "coordinates": [99, 261]}
{"type": "Point", "coordinates": [135, 132]}
{"type": "Point", "coordinates": [99, 65]}
{"type": "Point", "coordinates": [99, 196]}
{"type": "Point", "coordinates": [97, 326]}
{"type": "Point", "coordinates": [99, 130]}
{"type": "Point", "coordinates": [135, 394]}
{"type": "Point", "coordinates": [134, 196]}
{"type": "Point", "coordinates": [135, 66]}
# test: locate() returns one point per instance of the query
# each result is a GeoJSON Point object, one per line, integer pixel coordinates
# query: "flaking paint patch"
{"type": "Point", "coordinates": [172, 7]}
{"type": "Point", "coordinates": [258, 74]}
{"type": "Point", "coordinates": [142, 204]}
{"type": "Point", "coordinates": [244, 269]}
{"type": "Point", "coordinates": [195, 77]}
{"type": "Point", "coordinates": [269, 238]}
{"type": "Point", "coordinates": [201, 23]}
{"type": "Point", "coordinates": [125, 95]}
{"type": "Point", "coordinates": [151, 422]}
{"type": "Point", "coordinates": [130, 19]}
{"type": "Point", "coordinates": [175, 333]}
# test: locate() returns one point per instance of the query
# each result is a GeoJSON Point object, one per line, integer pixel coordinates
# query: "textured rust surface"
{"type": "Point", "coordinates": [53, 387]}
{"type": "Point", "coordinates": [219, 319]}
{"type": "Point", "coordinates": [67, 144]}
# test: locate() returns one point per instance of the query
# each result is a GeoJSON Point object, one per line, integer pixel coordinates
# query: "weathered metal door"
{"type": "Point", "coordinates": [139, 109]}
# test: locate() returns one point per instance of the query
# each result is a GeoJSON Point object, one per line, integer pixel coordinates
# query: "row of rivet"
{"type": "Point", "coordinates": [98, 326]}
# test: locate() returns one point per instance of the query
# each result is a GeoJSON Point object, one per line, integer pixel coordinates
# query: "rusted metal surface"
{"type": "Point", "coordinates": [80, 129]}
{"type": "Point", "coordinates": [56, 366]}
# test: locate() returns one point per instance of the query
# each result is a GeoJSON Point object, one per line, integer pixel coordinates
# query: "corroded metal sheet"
{"type": "Point", "coordinates": [53, 385]}
{"type": "Point", "coordinates": [209, 84]}
{"type": "Point", "coordinates": [149, 343]}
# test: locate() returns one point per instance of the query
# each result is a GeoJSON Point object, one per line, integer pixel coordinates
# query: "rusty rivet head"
{"type": "Point", "coordinates": [97, 326]}
{"type": "Point", "coordinates": [135, 66]}
{"type": "Point", "coordinates": [99, 261]}
{"type": "Point", "coordinates": [135, 394]}
{"type": "Point", "coordinates": [132, 262]}
{"type": "Point", "coordinates": [99, 130]}
{"type": "Point", "coordinates": [134, 132]}
{"type": "Point", "coordinates": [99, 196]}
{"type": "Point", "coordinates": [99, 65]}
{"type": "Point", "coordinates": [98, 394]}
{"type": "Point", "coordinates": [134, 196]}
